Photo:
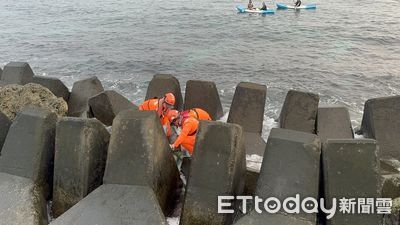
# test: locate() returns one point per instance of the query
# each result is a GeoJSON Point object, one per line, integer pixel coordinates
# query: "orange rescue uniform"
{"type": "Point", "coordinates": [187, 138]}
{"type": "Point", "coordinates": [197, 113]}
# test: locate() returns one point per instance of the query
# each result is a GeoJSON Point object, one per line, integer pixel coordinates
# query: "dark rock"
{"type": "Point", "coordinates": [254, 144]}
{"type": "Point", "coordinates": [251, 181]}
{"type": "Point", "coordinates": [381, 121]}
{"type": "Point", "coordinates": [29, 148]}
{"type": "Point", "coordinates": [389, 166]}
{"type": "Point", "coordinates": [334, 123]}
{"type": "Point", "coordinates": [391, 186]}
{"type": "Point", "coordinates": [81, 92]}
{"type": "Point", "coordinates": [17, 73]}
{"type": "Point", "coordinates": [162, 84]}
{"type": "Point", "coordinates": [394, 217]}
{"type": "Point", "coordinates": [1, 72]}
{"type": "Point", "coordinates": [106, 105]}
{"type": "Point", "coordinates": [139, 154]}
{"type": "Point", "coordinates": [218, 151]}
{"type": "Point", "coordinates": [351, 170]}
{"type": "Point", "coordinates": [55, 85]}
{"type": "Point", "coordinates": [247, 108]}
{"type": "Point", "coordinates": [185, 168]}
{"type": "Point", "coordinates": [79, 163]}
{"type": "Point", "coordinates": [254, 218]}
{"type": "Point", "coordinates": [204, 95]}
{"type": "Point", "coordinates": [299, 111]}
{"type": "Point", "coordinates": [290, 166]}
{"type": "Point", "coordinates": [21, 201]}
{"type": "Point", "coordinates": [113, 204]}
{"type": "Point", "coordinates": [5, 124]}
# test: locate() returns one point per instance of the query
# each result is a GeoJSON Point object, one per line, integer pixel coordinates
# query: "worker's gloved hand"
{"type": "Point", "coordinates": [172, 147]}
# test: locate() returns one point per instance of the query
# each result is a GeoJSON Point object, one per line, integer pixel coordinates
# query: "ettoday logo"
{"type": "Point", "coordinates": [309, 205]}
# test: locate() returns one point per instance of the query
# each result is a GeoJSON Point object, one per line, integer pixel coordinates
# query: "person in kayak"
{"type": "Point", "coordinates": [250, 5]}
{"type": "Point", "coordinates": [297, 3]}
{"type": "Point", "coordinates": [264, 6]}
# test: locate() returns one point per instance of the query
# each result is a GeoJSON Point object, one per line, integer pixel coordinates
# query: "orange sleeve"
{"type": "Point", "coordinates": [187, 127]}
{"type": "Point", "coordinates": [142, 106]}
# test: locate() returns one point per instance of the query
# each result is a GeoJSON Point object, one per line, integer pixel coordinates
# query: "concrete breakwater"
{"type": "Point", "coordinates": [129, 176]}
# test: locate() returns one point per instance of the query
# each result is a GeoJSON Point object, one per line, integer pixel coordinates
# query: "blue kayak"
{"type": "Point", "coordinates": [243, 9]}
{"type": "Point", "coordinates": [285, 6]}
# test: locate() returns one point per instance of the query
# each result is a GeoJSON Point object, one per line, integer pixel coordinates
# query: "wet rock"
{"type": "Point", "coordinates": [5, 124]}
{"type": "Point", "coordinates": [299, 112]}
{"type": "Point", "coordinates": [139, 154]}
{"type": "Point", "coordinates": [164, 83]}
{"type": "Point", "coordinates": [81, 92]}
{"type": "Point", "coordinates": [79, 163]}
{"type": "Point", "coordinates": [391, 186]}
{"type": "Point", "coordinates": [21, 201]}
{"type": "Point", "coordinates": [247, 108]}
{"type": "Point", "coordinates": [17, 73]}
{"type": "Point", "coordinates": [106, 105]}
{"type": "Point", "coordinates": [254, 218]}
{"type": "Point", "coordinates": [354, 163]}
{"type": "Point", "coordinates": [394, 217]}
{"type": "Point", "coordinates": [55, 85]}
{"type": "Point", "coordinates": [218, 151]}
{"type": "Point", "coordinates": [381, 121]}
{"type": "Point", "coordinates": [204, 95]}
{"type": "Point", "coordinates": [333, 122]}
{"type": "Point", "coordinates": [14, 98]}
{"type": "Point", "coordinates": [254, 144]}
{"type": "Point", "coordinates": [29, 148]}
{"type": "Point", "coordinates": [117, 205]}
{"type": "Point", "coordinates": [290, 166]}
{"type": "Point", "coordinates": [389, 166]}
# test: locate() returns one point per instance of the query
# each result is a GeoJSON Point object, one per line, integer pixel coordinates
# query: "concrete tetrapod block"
{"type": "Point", "coordinates": [113, 204]}
{"type": "Point", "coordinates": [106, 105]}
{"type": "Point", "coordinates": [247, 108]}
{"type": "Point", "coordinates": [55, 85]}
{"type": "Point", "coordinates": [218, 168]}
{"type": "Point", "coordinates": [204, 95]}
{"type": "Point", "coordinates": [334, 123]}
{"type": "Point", "coordinates": [81, 92]}
{"type": "Point", "coordinates": [79, 162]}
{"type": "Point", "coordinates": [29, 147]}
{"type": "Point", "coordinates": [254, 218]}
{"type": "Point", "coordinates": [5, 124]}
{"type": "Point", "coordinates": [164, 83]}
{"type": "Point", "coordinates": [354, 163]}
{"type": "Point", "coordinates": [17, 73]}
{"type": "Point", "coordinates": [21, 201]}
{"type": "Point", "coordinates": [290, 166]}
{"type": "Point", "coordinates": [381, 121]}
{"type": "Point", "coordinates": [254, 144]}
{"type": "Point", "coordinates": [139, 154]}
{"type": "Point", "coordinates": [299, 111]}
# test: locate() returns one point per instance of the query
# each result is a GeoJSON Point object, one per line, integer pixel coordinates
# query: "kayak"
{"type": "Point", "coordinates": [284, 6]}
{"type": "Point", "coordinates": [243, 9]}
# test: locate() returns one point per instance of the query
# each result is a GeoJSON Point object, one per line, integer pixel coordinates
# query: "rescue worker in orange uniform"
{"type": "Point", "coordinates": [162, 106]}
{"type": "Point", "coordinates": [188, 125]}
{"type": "Point", "coordinates": [197, 113]}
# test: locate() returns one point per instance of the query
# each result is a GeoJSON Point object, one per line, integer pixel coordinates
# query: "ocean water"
{"type": "Point", "coordinates": [347, 51]}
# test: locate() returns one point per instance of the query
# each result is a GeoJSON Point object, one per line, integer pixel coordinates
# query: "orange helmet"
{"type": "Point", "coordinates": [172, 115]}
{"type": "Point", "coordinates": [169, 98]}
